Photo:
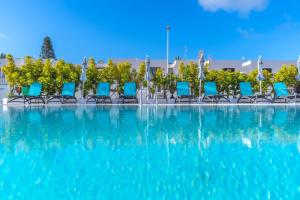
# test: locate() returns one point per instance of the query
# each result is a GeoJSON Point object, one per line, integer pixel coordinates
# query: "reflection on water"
{"type": "Point", "coordinates": [157, 152]}
{"type": "Point", "coordinates": [118, 126]}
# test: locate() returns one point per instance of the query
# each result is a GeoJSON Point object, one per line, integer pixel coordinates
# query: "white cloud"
{"type": "Point", "coordinates": [248, 33]}
{"type": "Point", "coordinates": [244, 7]}
{"type": "Point", "coordinates": [3, 36]}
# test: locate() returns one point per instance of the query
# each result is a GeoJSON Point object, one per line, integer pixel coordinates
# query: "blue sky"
{"type": "Point", "coordinates": [224, 29]}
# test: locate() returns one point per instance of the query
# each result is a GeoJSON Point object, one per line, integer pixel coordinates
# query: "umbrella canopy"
{"type": "Point", "coordinates": [298, 67]}
{"type": "Point", "coordinates": [148, 72]}
{"type": "Point", "coordinates": [260, 75]}
{"type": "Point", "coordinates": [201, 62]}
{"type": "Point", "coordinates": [83, 70]}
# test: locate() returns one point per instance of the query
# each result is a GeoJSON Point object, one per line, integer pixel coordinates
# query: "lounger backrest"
{"type": "Point", "coordinates": [183, 89]}
{"type": "Point", "coordinates": [35, 89]}
{"type": "Point", "coordinates": [210, 88]}
{"type": "Point", "coordinates": [68, 89]}
{"type": "Point", "coordinates": [25, 90]}
{"type": "Point", "coordinates": [103, 89]}
{"type": "Point", "coordinates": [246, 89]}
{"type": "Point", "coordinates": [130, 89]}
{"type": "Point", "coordinates": [281, 89]}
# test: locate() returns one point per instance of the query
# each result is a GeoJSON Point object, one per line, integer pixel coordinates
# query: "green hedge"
{"type": "Point", "coordinates": [53, 75]}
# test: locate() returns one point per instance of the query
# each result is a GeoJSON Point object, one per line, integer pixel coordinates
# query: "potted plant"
{"type": "Point", "coordinates": [171, 83]}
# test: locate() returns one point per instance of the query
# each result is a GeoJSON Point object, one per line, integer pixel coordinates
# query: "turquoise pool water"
{"type": "Point", "coordinates": [128, 152]}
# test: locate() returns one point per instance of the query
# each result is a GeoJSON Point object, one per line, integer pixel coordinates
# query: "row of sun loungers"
{"type": "Point", "coordinates": [34, 94]}
{"type": "Point", "coordinates": [247, 95]}
{"type": "Point", "coordinates": [211, 94]}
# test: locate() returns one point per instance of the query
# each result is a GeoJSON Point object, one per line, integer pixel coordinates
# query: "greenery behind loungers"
{"type": "Point", "coordinates": [53, 74]}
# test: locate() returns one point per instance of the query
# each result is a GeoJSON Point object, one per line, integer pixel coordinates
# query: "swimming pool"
{"type": "Point", "coordinates": [148, 152]}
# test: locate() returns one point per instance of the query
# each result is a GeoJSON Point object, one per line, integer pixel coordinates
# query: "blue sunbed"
{"type": "Point", "coordinates": [129, 94]}
{"type": "Point", "coordinates": [282, 92]}
{"type": "Point", "coordinates": [68, 92]}
{"type": "Point", "coordinates": [183, 92]}
{"type": "Point", "coordinates": [34, 93]}
{"type": "Point", "coordinates": [211, 93]}
{"type": "Point", "coordinates": [102, 94]}
{"type": "Point", "coordinates": [246, 92]}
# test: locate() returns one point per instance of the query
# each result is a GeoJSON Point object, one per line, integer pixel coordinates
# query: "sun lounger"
{"type": "Point", "coordinates": [21, 97]}
{"type": "Point", "coordinates": [68, 93]}
{"type": "Point", "coordinates": [246, 92]}
{"type": "Point", "coordinates": [34, 93]}
{"type": "Point", "coordinates": [129, 94]}
{"type": "Point", "coordinates": [281, 92]}
{"type": "Point", "coordinates": [183, 92]}
{"type": "Point", "coordinates": [211, 93]}
{"type": "Point", "coordinates": [102, 94]}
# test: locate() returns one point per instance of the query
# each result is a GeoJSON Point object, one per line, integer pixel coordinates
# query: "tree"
{"type": "Point", "coordinates": [91, 76]}
{"type": "Point", "coordinates": [111, 71]}
{"type": "Point", "coordinates": [169, 84]}
{"type": "Point", "coordinates": [190, 74]}
{"type": "Point", "coordinates": [287, 74]}
{"type": "Point", "coordinates": [181, 71]}
{"type": "Point", "coordinates": [161, 81]}
{"type": "Point", "coordinates": [30, 71]}
{"type": "Point", "coordinates": [11, 72]}
{"type": "Point", "coordinates": [47, 77]}
{"type": "Point", "coordinates": [141, 75]}
{"type": "Point", "coordinates": [192, 77]}
{"type": "Point", "coordinates": [123, 75]}
{"type": "Point", "coordinates": [134, 77]}
{"type": "Point", "coordinates": [66, 72]}
{"type": "Point", "coordinates": [47, 51]}
{"type": "Point", "coordinates": [158, 78]}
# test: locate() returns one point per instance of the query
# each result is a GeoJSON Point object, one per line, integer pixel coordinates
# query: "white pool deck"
{"type": "Point", "coordinates": [291, 104]}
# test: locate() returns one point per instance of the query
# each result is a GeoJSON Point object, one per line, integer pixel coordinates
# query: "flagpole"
{"type": "Point", "coordinates": [168, 31]}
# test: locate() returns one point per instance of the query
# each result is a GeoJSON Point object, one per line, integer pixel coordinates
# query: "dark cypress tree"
{"type": "Point", "coordinates": [47, 51]}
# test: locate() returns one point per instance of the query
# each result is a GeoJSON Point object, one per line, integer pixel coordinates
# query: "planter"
{"type": "Point", "coordinates": [4, 101]}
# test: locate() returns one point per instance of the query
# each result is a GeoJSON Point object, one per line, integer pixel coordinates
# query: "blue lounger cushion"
{"type": "Point", "coordinates": [130, 89]}
{"type": "Point", "coordinates": [35, 89]}
{"type": "Point", "coordinates": [103, 89]}
{"type": "Point", "coordinates": [183, 89]}
{"type": "Point", "coordinates": [246, 89]}
{"type": "Point", "coordinates": [68, 89]}
{"type": "Point", "coordinates": [210, 89]}
{"type": "Point", "coordinates": [281, 89]}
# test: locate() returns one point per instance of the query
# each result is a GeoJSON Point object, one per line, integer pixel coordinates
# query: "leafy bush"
{"type": "Point", "coordinates": [53, 75]}
{"type": "Point", "coordinates": [91, 76]}
{"type": "Point", "coordinates": [11, 72]}
{"type": "Point", "coordinates": [47, 76]}
{"type": "Point", "coordinates": [190, 74]}
{"type": "Point", "coordinates": [287, 74]}
{"type": "Point", "coordinates": [66, 72]}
